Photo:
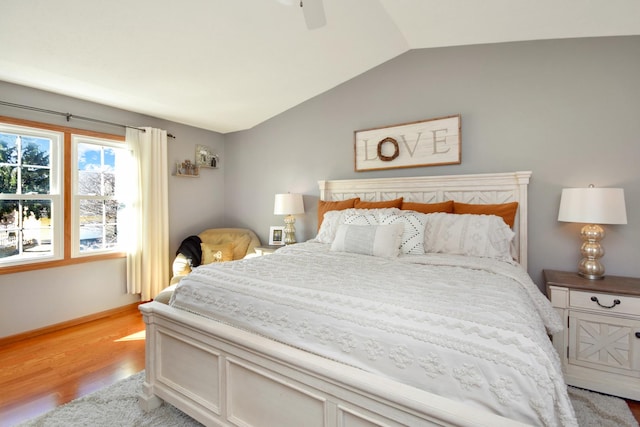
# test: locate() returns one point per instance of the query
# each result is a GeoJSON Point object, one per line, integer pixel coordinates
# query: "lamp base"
{"type": "Point", "coordinates": [289, 230]}
{"type": "Point", "coordinates": [590, 266]}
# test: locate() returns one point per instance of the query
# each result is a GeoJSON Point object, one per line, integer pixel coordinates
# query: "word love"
{"type": "Point", "coordinates": [436, 144]}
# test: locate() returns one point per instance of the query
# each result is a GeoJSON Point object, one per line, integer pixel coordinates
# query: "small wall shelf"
{"type": "Point", "coordinates": [184, 175]}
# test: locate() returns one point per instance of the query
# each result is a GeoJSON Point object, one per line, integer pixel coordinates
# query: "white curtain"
{"type": "Point", "coordinates": [148, 238]}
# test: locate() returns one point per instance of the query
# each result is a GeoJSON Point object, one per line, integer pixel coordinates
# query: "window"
{"type": "Point", "coordinates": [99, 183]}
{"type": "Point", "coordinates": [30, 195]}
{"type": "Point", "coordinates": [61, 195]}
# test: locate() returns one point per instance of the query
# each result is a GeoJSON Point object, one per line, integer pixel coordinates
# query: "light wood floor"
{"type": "Point", "coordinates": [41, 372]}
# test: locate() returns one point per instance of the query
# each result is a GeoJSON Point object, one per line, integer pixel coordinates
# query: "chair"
{"type": "Point", "coordinates": [212, 245]}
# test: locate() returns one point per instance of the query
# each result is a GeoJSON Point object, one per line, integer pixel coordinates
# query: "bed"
{"type": "Point", "coordinates": [320, 334]}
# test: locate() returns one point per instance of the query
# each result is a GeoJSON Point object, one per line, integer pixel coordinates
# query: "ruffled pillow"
{"type": "Point", "coordinates": [475, 235]}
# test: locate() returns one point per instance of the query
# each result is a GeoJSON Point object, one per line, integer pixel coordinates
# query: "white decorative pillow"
{"type": "Point", "coordinates": [329, 226]}
{"type": "Point", "coordinates": [332, 219]}
{"type": "Point", "coordinates": [367, 216]}
{"type": "Point", "coordinates": [413, 235]}
{"type": "Point", "coordinates": [376, 240]}
{"type": "Point", "coordinates": [360, 218]}
{"type": "Point", "coordinates": [468, 234]}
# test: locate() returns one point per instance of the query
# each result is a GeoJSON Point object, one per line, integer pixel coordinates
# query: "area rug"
{"type": "Point", "coordinates": [117, 405]}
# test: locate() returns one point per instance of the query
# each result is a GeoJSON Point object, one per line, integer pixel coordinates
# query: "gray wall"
{"type": "Point", "coordinates": [39, 298]}
{"type": "Point", "coordinates": [568, 110]}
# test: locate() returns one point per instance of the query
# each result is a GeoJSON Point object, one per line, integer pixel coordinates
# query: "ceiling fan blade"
{"type": "Point", "coordinates": [313, 11]}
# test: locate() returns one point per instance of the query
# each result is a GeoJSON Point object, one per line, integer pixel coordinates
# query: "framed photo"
{"type": "Point", "coordinates": [276, 235]}
{"type": "Point", "coordinates": [425, 143]}
{"type": "Point", "coordinates": [205, 158]}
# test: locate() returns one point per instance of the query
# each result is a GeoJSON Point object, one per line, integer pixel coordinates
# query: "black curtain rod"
{"type": "Point", "coordinates": [70, 116]}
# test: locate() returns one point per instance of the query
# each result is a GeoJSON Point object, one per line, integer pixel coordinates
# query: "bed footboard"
{"type": "Point", "coordinates": [223, 376]}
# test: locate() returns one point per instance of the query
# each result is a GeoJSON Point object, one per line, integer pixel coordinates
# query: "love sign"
{"type": "Point", "coordinates": [424, 143]}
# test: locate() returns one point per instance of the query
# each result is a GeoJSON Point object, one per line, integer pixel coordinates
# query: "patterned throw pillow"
{"type": "Point", "coordinates": [468, 234]}
{"type": "Point", "coordinates": [375, 240]}
{"type": "Point", "coordinates": [216, 253]}
{"type": "Point", "coordinates": [413, 235]}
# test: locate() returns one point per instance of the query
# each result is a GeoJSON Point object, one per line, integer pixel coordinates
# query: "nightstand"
{"type": "Point", "coordinates": [600, 344]}
{"type": "Point", "coordinates": [266, 249]}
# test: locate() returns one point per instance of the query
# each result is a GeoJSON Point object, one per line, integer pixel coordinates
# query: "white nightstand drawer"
{"type": "Point", "coordinates": [606, 303]}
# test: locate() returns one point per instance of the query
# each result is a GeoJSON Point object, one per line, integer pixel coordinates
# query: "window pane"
{"type": "Point", "coordinates": [25, 228]}
{"type": "Point", "coordinates": [36, 151]}
{"type": "Point", "coordinates": [109, 183]}
{"type": "Point", "coordinates": [111, 236]}
{"type": "Point", "coordinates": [111, 211]}
{"type": "Point", "coordinates": [9, 231]}
{"type": "Point", "coordinates": [89, 183]}
{"type": "Point", "coordinates": [8, 179]}
{"type": "Point", "coordinates": [109, 167]}
{"type": "Point", "coordinates": [91, 212]}
{"type": "Point", "coordinates": [8, 242]}
{"type": "Point", "coordinates": [89, 169]}
{"type": "Point", "coordinates": [8, 148]}
{"type": "Point", "coordinates": [90, 237]}
{"type": "Point", "coordinates": [35, 180]}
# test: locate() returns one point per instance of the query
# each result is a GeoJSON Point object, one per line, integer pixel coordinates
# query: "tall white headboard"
{"type": "Point", "coordinates": [488, 188]}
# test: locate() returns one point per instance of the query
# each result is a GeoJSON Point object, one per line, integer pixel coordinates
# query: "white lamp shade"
{"type": "Point", "coordinates": [593, 206]}
{"type": "Point", "coordinates": [288, 204]}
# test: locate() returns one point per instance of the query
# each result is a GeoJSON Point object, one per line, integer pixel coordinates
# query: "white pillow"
{"type": "Point", "coordinates": [468, 234]}
{"type": "Point", "coordinates": [332, 219]}
{"type": "Point", "coordinates": [329, 226]}
{"type": "Point", "coordinates": [413, 235]}
{"type": "Point", "coordinates": [376, 240]}
{"type": "Point", "coordinates": [360, 218]}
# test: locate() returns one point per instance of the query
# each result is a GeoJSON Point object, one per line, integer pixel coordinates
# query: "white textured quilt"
{"type": "Point", "coordinates": [470, 329]}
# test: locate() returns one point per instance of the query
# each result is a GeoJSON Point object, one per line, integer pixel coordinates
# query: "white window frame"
{"type": "Point", "coordinates": [76, 198]}
{"type": "Point", "coordinates": [56, 194]}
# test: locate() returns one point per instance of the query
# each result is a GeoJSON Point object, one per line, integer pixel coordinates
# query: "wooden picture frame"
{"type": "Point", "coordinates": [276, 235]}
{"type": "Point", "coordinates": [206, 158]}
{"type": "Point", "coordinates": [424, 143]}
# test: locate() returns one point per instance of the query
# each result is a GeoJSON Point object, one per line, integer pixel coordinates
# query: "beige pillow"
{"type": "Point", "coordinates": [240, 245]}
{"type": "Point", "coordinates": [216, 253]}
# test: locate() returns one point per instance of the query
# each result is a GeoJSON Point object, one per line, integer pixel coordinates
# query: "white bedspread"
{"type": "Point", "coordinates": [470, 329]}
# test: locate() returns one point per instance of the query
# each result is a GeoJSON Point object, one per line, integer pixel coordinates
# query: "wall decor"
{"type": "Point", "coordinates": [424, 143]}
{"type": "Point", "coordinates": [206, 158]}
{"type": "Point", "coordinates": [187, 168]}
{"type": "Point", "coordinates": [276, 235]}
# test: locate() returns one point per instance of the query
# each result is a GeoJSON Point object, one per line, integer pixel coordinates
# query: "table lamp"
{"type": "Point", "coordinates": [289, 204]}
{"type": "Point", "coordinates": [592, 206]}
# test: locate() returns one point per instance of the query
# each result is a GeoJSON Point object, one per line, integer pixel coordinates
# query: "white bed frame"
{"type": "Point", "coordinates": [223, 376]}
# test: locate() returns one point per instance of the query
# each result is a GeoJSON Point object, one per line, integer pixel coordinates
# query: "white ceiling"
{"type": "Point", "coordinates": [228, 65]}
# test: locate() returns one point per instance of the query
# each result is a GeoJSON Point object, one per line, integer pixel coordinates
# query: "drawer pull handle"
{"type": "Point", "coordinates": [615, 302]}
{"type": "Point", "coordinates": [637, 334]}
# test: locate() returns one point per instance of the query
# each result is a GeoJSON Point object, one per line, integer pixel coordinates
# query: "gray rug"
{"type": "Point", "coordinates": [117, 405]}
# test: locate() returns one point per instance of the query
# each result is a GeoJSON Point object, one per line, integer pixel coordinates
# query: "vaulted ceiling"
{"type": "Point", "coordinates": [228, 65]}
